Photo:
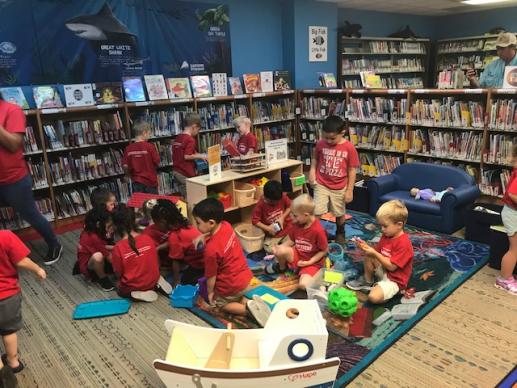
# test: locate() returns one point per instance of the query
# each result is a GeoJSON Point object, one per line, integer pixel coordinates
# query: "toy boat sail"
{"type": "Point", "coordinates": [288, 352]}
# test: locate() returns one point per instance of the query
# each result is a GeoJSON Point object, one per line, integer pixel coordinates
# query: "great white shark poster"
{"type": "Point", "coordinates": [72, 41]}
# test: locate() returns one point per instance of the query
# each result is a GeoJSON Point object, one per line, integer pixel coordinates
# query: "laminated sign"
{"type": "Point", "coordinates": [317, 44]}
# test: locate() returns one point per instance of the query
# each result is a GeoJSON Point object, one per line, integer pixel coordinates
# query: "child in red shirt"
{"type": "Point", "coordinates": [180, 244]}
{"type": "Point", "coordinates": [506, 281]}
{"type": "Point", "coordinates": [141, 159]}
{"type": "Point", "coordinates": [273, 208]}
{"type": "Point", "coordinates": [391, 261]}
{"type": "Point", "coordinates": [93, 249]}
{"type": "Point", "coordinates": [158, 231]}
{"type": "Point", "coordinates": [306, 245]}
{"type": "Point", "coordinates": [333, 172]}
{"type": "Point", "coordinates": [247, 143]}
{"type": "Point", "coordinates": [184, 152]}
{"type": "Point", "coordinates": [135, 260]}
{"type": "Point", "coordinates": [13, 256]}
{"type": "Point", "coordinates": [102, 197]}
{"type": "Point", "coordinates": [226, 270]}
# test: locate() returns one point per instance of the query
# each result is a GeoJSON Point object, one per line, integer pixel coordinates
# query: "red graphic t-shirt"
{"type": "Point", "coordinates": [400, 252]}
{"type": "Point", "coordinates": [184, 144]}
{"type": "Point", "coordinates": [12, 250]}
{"type": "Point", "coordinates": [182, 248]}
{"type": "Point", "coordinates": [246, 143]}
{"type": "Point", "coordinates": [267, 214]}
{"type": "Point", "coordinates": [142, 159]}
{"type": "Point", "coordinates": [309, 241]}
{"type": "Point", "coordinates": [332, 163]}
{"type": "Point", "coordinates": [225, 260]}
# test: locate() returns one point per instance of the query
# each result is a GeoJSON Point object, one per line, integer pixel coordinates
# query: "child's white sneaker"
{"type": "Point", "coordinates": [258, 310]}
{"type": "Point", "coordinates": [164, 285]}
{"type": "Point", "coordinates": [144, 296]}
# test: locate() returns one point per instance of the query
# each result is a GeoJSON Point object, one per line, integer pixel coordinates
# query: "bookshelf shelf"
{"type": "Point", "coordinates": [385, 72]}
{"type": "Point", "coordinates": [273, 121]}
{"type": "Point", "coordinates": [380, 53]}
{"type": "Point", "coordinates": [229, 128]}
{"type": "Point", "coordinates": [86, 180]}
{"type": "Point", "coordinates": [459, 158]}
{"type": "Point", "coordinates": [84, 147]}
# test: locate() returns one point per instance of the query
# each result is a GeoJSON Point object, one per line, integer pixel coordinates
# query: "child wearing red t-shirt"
{"type": "Point", "coordinates": [391, 261]}
{"type": "Point", "coordinates": [226, 270]}
{"type": "Point", "coordinates": [184, 152]}
{"type": "Point", "coordinates": [247, 143]}
{"type": "Point", "coordinates": [141, 159]}
{"type": "Point", "coordinates": [135, 260]}
{"type": "Point", "coordinates": [333, 172]}
{"type": "Point", "coordinates": [157, 230]}
{"type": "Point", "coordinates": [306, 246]}
{"type": "Point", "coordinates": [13, 256]}
{"type": "Point", "coordinates": [102, 197]}
{"type": "Point", "coordinates": [271, 214]}
{"type": "Point", "coordinates": [93, 249]}
{"type": "Point", "coordinates": [505, 280]}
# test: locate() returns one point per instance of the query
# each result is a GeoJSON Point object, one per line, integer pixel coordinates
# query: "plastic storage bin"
{"type": "Point", "coordinates": [297, 181]}
{"type": "Point", "coordinates": [251, 237]}
{"type": "Point", "coordinates": [244, 194]}
{"type": "Point", "coordinates": [336, 252]}
{"type": "Point", "coordinates": [324, 276]}
{"type": "Point", "coordinates": [184, 296]}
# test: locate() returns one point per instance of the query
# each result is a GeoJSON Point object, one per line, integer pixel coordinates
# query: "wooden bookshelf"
{"type": "Point", "coordinates": [399, 62]}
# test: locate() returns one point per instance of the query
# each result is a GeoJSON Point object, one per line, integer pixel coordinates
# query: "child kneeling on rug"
{"type": "Point", "coordinates": [13, 256]}
{"type": "Point", "coordinates": [226, 270]}
{"type": "Point", "coordinates": [135, 260]}
{"type": "Point", "coordinates": [306, 245]}
{"type": "Point", "coordinates": [271, 214]}
{"type": "Point", "coordinates": [391, 261]}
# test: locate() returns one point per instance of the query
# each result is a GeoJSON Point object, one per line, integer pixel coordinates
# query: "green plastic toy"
{"type": "Point", "coordinates": [342, 302]}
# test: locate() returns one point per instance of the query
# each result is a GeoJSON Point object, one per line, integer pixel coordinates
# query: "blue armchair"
{"type": "Point", "coordinates": [447, 216]}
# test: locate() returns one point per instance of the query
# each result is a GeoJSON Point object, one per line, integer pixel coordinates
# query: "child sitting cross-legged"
{"type": "Point", "coordinates": [93, 249]}
{"type": "Point", "coordinates": [273, 208]}
{"type": "Point", "coordinates": [135, 260]}
{"type": "Point", "coordinates": [391, 261]}
{"type": "Point", "coordinates": [306, 245]}
{"type": "Point", "coordinates": [158, 229]}
{"type": "Point", "coordinates": [226, 270]}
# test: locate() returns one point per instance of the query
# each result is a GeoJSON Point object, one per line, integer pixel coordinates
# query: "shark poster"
{"type": "Point", "coordinates": [67, 41]}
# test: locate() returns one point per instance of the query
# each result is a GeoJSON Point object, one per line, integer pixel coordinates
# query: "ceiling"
{"type": "Point", "coordinates": [419, 7]}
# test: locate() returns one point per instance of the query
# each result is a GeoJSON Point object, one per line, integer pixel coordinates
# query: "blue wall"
{"type": "Point", "coordinates": [476, 23]}
{"type": "Point", "coordinates": [385, 23]}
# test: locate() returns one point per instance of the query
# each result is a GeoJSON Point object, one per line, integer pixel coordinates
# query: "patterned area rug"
{"type": "Point", "coordinates": [442, 263]}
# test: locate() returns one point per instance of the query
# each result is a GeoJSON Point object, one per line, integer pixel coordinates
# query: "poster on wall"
{"type": "Point", "coordinates": [104, 40]}
{"type": "Point", "coordinates": [317, 44]}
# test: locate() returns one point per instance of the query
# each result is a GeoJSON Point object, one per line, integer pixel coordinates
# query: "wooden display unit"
{"type": "Point", "coordinates": [198, 188]}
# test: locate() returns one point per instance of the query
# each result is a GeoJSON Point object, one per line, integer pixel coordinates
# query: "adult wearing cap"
{"type": "Point", "coordinates": [493, 75]}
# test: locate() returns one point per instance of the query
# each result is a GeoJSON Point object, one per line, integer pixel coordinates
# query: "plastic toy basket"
{"type": "Point", "coordinates": [297, 181]}
{"type": "Point", "coordinates": [245, 163]}
{"type": "Point", "coordinates": [324, 276]}
{"type": "Point", "coordinates": [251, 237]}
{"type": "Point", "coordinates": [244, 194]}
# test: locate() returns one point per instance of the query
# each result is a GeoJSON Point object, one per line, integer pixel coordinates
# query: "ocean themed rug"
{"type": "Point", "coordinates": [441, 264]}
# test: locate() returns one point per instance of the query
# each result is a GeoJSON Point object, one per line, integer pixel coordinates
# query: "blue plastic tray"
{"type": "Point", "coordinates": [101, 308]}
{"type": "Point", "coordinates": [184, 296]}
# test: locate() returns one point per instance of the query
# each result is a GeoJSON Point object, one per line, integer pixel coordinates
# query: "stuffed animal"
{"type": "Point", "coordinates": [350, 30]}
{"type": "Point", "coordinates": [403, 33]}
{"type": "Point", "coordinates": [496, 30]}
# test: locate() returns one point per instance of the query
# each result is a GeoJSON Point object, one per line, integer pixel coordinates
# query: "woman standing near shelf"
{"type": "Point", "coordinates": [15, 181]}
{"type": "Point", "coordinates": [493, 75]}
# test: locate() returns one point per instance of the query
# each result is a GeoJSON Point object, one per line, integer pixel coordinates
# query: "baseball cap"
{"type": "Point", "coordinates": [506, 39]}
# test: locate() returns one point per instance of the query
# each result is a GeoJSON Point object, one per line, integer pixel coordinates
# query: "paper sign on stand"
{"type": "Point", "coordinates": [214, 162]}
{"type": "Point", "coordinates": [276, 151]}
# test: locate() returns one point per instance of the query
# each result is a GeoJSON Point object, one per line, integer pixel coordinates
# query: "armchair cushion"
{"type": "Point", "coordinates": [412, 204]}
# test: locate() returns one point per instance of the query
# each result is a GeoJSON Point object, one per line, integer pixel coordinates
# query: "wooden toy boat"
{"type": "Point", "coordinates": [288, 352]}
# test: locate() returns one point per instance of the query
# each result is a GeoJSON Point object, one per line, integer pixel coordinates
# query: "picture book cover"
{"type": "Point", "coordinates": [230, 147]}
{"type": "Point", "coordinates": [79, 95]}
{"type": "Point", "coordinates": [282, 80]}
{"type": "Point", "coordinates": [251, 83]}
{"type": "Point", "coordinates": [266, 81]}
{"type": "Point", "coordinates": [220, 84]}
{"type": "Point", "coordinates": [235, 85]}
{"type": "Point", "coordinates": [133, 89]}
{"type": "Point", "coordinates": [179, 88]}
{"type": "Point", "coordinates": [201, 86]}
{"type": "Point", "coordinates": [15, 95]}
{"type": "Point", "coordinates": [47, 97]}
{"type": "Point", "coordinates": [370, 80]}
{"type": "Point", "coordinates": [155, 85]}
{"type": "Point", "coordinates": [107, 93]}
{"type": "Point", "coordinates": [327, 80]}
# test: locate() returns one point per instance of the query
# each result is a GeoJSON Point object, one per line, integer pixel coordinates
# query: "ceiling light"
{"type": "Point", "coordinates": [482, 2]}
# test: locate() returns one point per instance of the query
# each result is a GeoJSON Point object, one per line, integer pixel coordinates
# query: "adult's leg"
{"type": "Point", "coordinates": [19, 196]}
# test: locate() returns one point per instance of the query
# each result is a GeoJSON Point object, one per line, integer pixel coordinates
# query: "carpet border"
{"type": "Point", "coordinates": [407, 325]}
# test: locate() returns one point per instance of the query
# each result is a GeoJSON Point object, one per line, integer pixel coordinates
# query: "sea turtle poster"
{"type": "Point", "coordinates": [104, 40]}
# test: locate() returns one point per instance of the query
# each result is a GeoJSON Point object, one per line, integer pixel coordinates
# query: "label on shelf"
{"type": "Point", "coordinates": [240, 96]}
{"type": "Point", "coordinates": [358, 91]}
{"type": "Point", "coordinates": [143, 103]}
{"type": "Point", "coordinates": [323, 113]}
{"type": "Point", "coordinates": [421, 91]}
{"type": "Point", "coordinates": [179, 100]}
{"type": "Point", "coordinates": [308, 90]}
{"type": "Point", "coordinates": [53, 110]}
{"type": "Point", "coordinates": [287, 91]}
{"type": "Point", "coordinates": [506, 91]}
{"type": "Point", "coordinates": [396, 91]}
{"type": "Point", "coordinates": [107, 106]}
{"type": "Point", "coordinates": [337, 91]}
{"type": "Point", "coordinates": [207, 99]}
{"type": "Point", "coordinates": [259, 94]}
{"type": "Point", "coordinates": [297, 110]}
{"type": "Point", "coordinates": [472, 91]}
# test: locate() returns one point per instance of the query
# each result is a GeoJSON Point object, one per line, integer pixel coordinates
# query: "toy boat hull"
{"type": "Point", "coordinates": [320, 373]}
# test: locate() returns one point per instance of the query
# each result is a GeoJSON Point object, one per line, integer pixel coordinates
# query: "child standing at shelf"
{"type": "Point", "coordinates": [141, 159]}
{"type": "Point", "coordinates": [306, 246]}
{"type": "Point", "coordinates": [271, 214]}
{"type": "Point", "coordinates": [13, 256]}
{"type": "Point", "coordinates": [93, 249]}
{"type": "Point", "coordinates": [506, 281]}
{"type": "Point", "coordinates": [391, 261]}
{"type": "Point", "coordinates": [135, 260]}
{"type": "Point", "coordinates": [333, 172]}
{"type": "Point", "coordinates": [226, 270]}
{"type": "Point", "coordinates": [247, 143]}
{"type": "Point", "coordinates": [184, 152]}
